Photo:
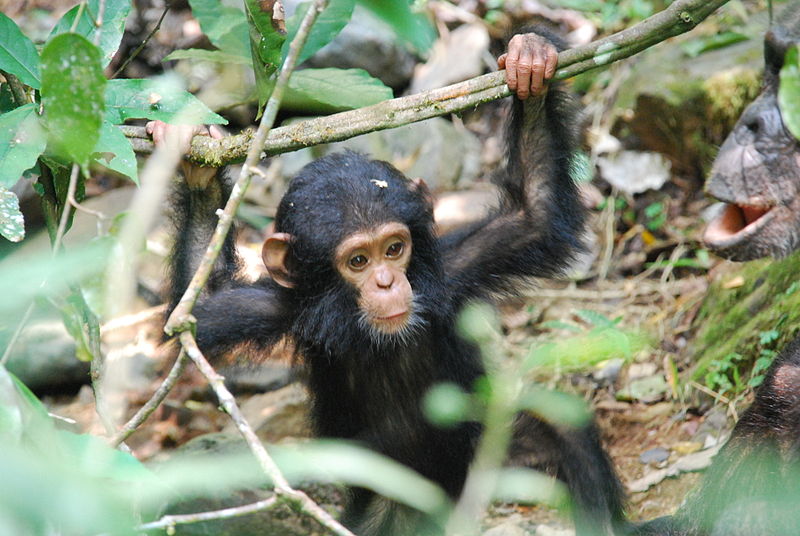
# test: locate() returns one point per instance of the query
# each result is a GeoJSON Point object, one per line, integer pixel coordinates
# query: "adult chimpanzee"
{"type": "Point", "coordinates": [752, 488]}
{"type": "Point", "coordinates": [369, 295]}
{"type": "Point", "coordinates": [757, 171]}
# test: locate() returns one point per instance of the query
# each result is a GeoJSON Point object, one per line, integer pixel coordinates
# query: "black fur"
{"type": "Point", "coordinates": [369, 387]}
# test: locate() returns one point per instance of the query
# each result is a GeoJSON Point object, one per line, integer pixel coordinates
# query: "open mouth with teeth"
{"type": "Point", "coordinates": [735, 224]}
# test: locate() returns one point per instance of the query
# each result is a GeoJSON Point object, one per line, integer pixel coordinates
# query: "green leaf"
{"type": "Point", "coordinates": [72, 95]}
{"type": "Point", "coordinates": [594, 318]}
{"type": "Point", "coordinates": [225, 27]}
{"type": "Point", "coordinates": [332, 90]}
{"type": "Point", "coordinates": [114, 15]}
{"type": "Point", "coordinates": [327, 26]}
{"type": "Point", "coordinates": [155, 99]}
{"type": "Point", "coordinates": [22, 140]}
{"type": "Point", "coordinates": [266, 40]}
{"type": "Point", "coordinates": [789, 91]}
{"type": "Point", "coordinates": [413, 28]}
{"type": "Point", "coordinates": [81, 323]}
{"type": "Point", "coordinates": [697, 46]}
{"type": "Point", "coordinates": [199, 54]}
{"type": "Point", "coordinates": [12, 224]}
{"type": "Point", "coordinates": [117, 153]}
{"type": "Point", "coordinates": [18, 55]}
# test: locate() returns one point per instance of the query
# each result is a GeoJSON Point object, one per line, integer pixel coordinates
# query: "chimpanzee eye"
{"type": "Point", "coordinates": [357, 262]}
{"type": "Point", "coordinates": [395, 250]}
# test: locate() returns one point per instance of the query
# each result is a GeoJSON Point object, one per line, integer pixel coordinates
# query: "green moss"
{"type": "Point", "coordinates": [731, 320]}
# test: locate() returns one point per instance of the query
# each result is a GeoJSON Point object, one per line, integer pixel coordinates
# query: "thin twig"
{"type": "Point", "coordinates": [681, 16]}
{"type": "Point", "coordinates": [144, 43]}
{"type": "Point", "coordinates": [65, 211]}
{"type": "Point", "coordinates": [169, 521]}
{"type": "Point", "coordinates": [151, 405]}
{"type": "Point", "coordinates": [283, 490]}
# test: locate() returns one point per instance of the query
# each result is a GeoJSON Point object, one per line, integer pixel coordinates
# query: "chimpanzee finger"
{"type": "Point", "coordinates": [511, 59]}
{"type": "Point", "coordinates": [551, 59]}
{"type": "Point", "coordinates": [524, 67]}
{"type": "Point", "coordinates": [501, 61]}
{"type": "Point", "coordinates": [538, 64]}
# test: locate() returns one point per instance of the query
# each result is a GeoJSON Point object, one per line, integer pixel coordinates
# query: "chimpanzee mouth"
{"type": "Point", "coordinates": [735, 224]}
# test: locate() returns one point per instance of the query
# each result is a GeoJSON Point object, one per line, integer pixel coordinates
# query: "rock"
{"type": "Point", "coordinates": [634, 172]}
{"type": "Point", "coordinates": [456, 57]}
{"type": "Point", "coordinates": [44, 358]}
{"type": "Point", "coordinates": [647, 389]}
{"type": "Point", "coordinates": [436, 150]}
{"type": "Point", "coordinates": [656, 455]}
{"type": "Point", "coordinates": [277, 415]}
{"type": "Point", "coordinates": [455, 209]}
{"type": "Point", "coordinates": [257, 379]}
{"type": "Point", "coordinates": [507, 528]}
{"type": "Point", "coordinates": [368, 43]}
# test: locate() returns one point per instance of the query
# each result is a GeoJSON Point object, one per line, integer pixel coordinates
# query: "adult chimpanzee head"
{"type": "Point", "coordinates": [354, 239]}
{"type": "Point", "coordinates": [757, 171]}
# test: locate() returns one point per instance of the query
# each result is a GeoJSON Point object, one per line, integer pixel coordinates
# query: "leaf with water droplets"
{"type": "Point", "coordinates": [12, 225]}
{"type": "Point", "coordinates": [22, 140]}
{"type": "Point", "coordinates": [72, 93]}
{"type": "Point", "coordinates": [116, 152]}
{"type": "Point", "coordinates": [155, 99]}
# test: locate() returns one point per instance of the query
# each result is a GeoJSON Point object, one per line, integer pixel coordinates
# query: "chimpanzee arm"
{"type": "Point", "coordinates": [231, 312]}
{"type": "Point", "coordinates": [537, 228]}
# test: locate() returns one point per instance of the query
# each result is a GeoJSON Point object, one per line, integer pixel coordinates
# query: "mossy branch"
{"type": "Point", "coordinates": [680, 17]}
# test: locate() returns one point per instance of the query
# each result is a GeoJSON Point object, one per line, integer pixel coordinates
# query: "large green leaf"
{"type": "Point", "coordinates": [332, 90]}
{"type": "Point", "coordinates": [22, 140]}
{"type": "Point", "coordinates": [327, 26]}
{"type": "Point", "coordinates": [199, 54]}
{"type": "Point", "coordinates": [72, 94]}
{"type": "Point", "coordinates": [18, 56]}
{"type": "Point", "coordinates": [152, 99]}
{"type": "Point", "coordinates": [110, 30]}
{"type": "Point", "coordinates": [413, 28]}
{"type": "Point", "coordinates": [789, 91]}
{"type": "Point", "coordinates": [12, 224]}
{"type": "Point", "coordinates": [225, 27]}
{"type": "Point", "coordinates": [116, 151]}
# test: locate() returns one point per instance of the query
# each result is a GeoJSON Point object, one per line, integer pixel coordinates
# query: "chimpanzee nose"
{"type": "Point", "coordinates": [384, 277]}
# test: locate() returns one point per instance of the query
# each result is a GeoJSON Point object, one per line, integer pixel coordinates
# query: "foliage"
{"type": "Point", "coordinates": [789, 91]}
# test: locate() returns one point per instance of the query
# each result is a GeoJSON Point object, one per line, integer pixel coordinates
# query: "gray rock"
{"type": "Point", "coordinates": [368, 43]}
{"type": "Point", "coordinates": [656, 455]}
{"type": "Point", "coordinates": [277, 415]}
{"type": "Point", "coordinates": [436, 150]}
{"type": "Point", "coordinates": [458, 56]}
{"type": "Point", "coordinates": [44, 358]}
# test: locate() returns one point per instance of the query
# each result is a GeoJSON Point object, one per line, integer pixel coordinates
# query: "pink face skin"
{"type": "Point", "coordinates": [530, 61]}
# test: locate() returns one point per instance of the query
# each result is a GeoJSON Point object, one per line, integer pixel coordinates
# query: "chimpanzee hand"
{"type": "Point", "coordinates": [197, 177]}
{"type": "Point", "coordinates": [530, 61]}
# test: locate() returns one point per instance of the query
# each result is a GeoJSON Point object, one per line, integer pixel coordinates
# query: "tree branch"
{"type": "Point", "coordinates": [680, 17]}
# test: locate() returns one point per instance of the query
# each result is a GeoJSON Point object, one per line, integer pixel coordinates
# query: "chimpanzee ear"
{"type": "Point", "coordinates": [275, 253]}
